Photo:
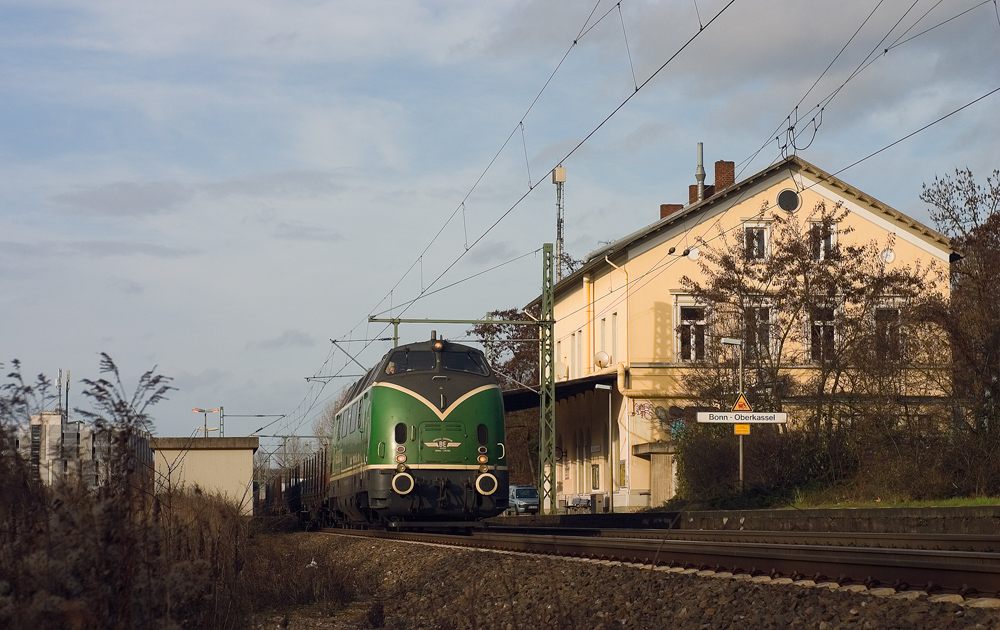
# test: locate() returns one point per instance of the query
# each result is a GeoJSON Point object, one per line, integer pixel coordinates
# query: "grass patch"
{"type": "Point", "coordinates": [807, 502]}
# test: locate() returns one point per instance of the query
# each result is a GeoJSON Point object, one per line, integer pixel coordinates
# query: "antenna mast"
{"type": "Point", "coordinates": [559, 178]}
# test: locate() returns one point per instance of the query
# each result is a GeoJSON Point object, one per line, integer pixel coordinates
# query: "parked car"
{"type": "Point", "coordinates": [523, 500]}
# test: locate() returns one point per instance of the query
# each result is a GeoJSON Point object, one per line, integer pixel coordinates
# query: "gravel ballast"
{"type": "Point", "coordinates": [405, 586]}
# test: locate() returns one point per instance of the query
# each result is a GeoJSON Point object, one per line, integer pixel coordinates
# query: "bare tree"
{"type": "Point", "coordinates": [812, 300]}
{"type": "Point", "coordinates": [323, 425]}
{"type": "Point", "coordinates": [829, 331]}
{"type": "Point", "coordinates": [969, 213]}
{"type": "Point", "coordinates": [511, 349]}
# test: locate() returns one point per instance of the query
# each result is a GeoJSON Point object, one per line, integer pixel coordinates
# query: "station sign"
{"type": "Point", "coordinates": [737, 417]}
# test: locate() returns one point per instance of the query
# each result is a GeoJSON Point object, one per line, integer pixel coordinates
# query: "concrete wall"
{"type": "Point", "coordinates": [222, 466]}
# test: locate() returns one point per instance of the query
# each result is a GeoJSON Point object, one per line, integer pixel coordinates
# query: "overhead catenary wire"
{"type": "Point", "coordinates": [426, 290]}
{"type": "Point", "coordinates": [656, 269]}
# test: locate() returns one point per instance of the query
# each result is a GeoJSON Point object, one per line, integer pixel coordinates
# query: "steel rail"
{"type": "Point", "coordinates": [932, 570]}
{"type": "Point", "coordinates": [944, 542]}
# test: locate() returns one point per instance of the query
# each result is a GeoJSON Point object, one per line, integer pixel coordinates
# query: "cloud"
{"type": "Point", "coordinates": [289, 338]}
{"type": "Point", "coordinates": [144, 199]}
{"type": "Point", "coordinates": [277, 32]}
{"type": "Point", "coordinates": [92, 249]}
{"type": "Point", "coordinates": [494, 252]}
{"type": "Point", "coordinates": [209, 377]}
{"type": "Point", "coordinates": [125, 199]}
{"type": "Point", "coordinates": [300, 232]}
{"type": "Point", "coordinates": [119, 248]}
{"type": "Point", "coordinates": [284, 184]}
{"type": "Point", "coordinates": [126, 286]}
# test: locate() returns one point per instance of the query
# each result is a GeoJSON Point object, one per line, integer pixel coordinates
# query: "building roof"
{"type": "Point", "coordinates": [204, 444]}
{"type": "Point", "coordinates": [527, 398]}
{"type": "Point", "coordinates": [732, 195]}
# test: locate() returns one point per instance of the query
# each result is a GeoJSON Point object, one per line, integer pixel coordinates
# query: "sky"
{"type": "Point", "coordinates": [219, 189]}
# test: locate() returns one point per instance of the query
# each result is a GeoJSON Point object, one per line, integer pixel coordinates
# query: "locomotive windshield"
{"type": "Point", "coordinates": [469, 362]}
{"type": "Point", "coordinates": [410, 361]}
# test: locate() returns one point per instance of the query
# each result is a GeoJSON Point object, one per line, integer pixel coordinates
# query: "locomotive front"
{"type": "Point", "coordinates": [435, 450]}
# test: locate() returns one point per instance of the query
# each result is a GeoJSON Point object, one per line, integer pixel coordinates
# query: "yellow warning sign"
{"type": "Point", "coordinates": [741, 429]}
{"type": "Point", "coordinates": [742, 404]}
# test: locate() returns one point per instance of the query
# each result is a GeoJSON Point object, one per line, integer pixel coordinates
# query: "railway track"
{"type": "Point", "coordinates": [965, 565]}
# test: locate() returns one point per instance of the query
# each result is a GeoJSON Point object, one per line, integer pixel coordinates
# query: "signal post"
{"type": "Point", "coordinates": [741, 417]}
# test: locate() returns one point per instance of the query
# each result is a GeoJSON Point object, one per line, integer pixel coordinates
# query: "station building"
{"type": "Point", "coordinates": [628, 334]}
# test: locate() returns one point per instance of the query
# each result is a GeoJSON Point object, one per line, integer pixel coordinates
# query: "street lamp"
{"type": "Point", "coordinates": [611, 474]}
{"type": "Point", "coordinates": [206, 412]}
{"type": "Point", "coordinates": [732, 341]}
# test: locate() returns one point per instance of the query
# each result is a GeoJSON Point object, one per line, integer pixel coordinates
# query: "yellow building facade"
{"type": "Point", "coordinates": [623, 320]}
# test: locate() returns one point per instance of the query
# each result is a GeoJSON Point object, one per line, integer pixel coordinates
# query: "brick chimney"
{"type": "Point", "coordinates": [693, 192]}
{"type": "Point", "coordinates": [667, 209]}
{"type": "Point", "coordinates": [725, 175]}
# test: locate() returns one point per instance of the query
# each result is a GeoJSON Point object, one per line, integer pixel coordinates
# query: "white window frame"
{"type": "Point", "coordinates": [749, 343]}
{"type": "Point", "coordinates": [899, 338]}
{"type": "Point", "coordinates": [831, 323]}
{"type": "Point", "coordinates": [682, 302]}
{"type": "Point", "coordinates": [765, 229]}
{"type": "Point", "coordinates": [824, 252]}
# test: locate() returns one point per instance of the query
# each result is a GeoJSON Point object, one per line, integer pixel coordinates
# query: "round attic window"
{"type": "Point", "coordinates": [788, 200]}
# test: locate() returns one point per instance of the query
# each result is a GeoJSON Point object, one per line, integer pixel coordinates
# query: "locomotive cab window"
{"type": "Point", "coordinates": [400, 432]}
{"type": "Point", "coordinates": [410, 361]}
{"type": "Point", "coordinates": [482, 434]}
{"type": "Point", "coordinates": [469, 362]}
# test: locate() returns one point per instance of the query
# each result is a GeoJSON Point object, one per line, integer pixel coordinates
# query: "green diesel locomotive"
{"type": "Point", "coordinates": [421, 439]}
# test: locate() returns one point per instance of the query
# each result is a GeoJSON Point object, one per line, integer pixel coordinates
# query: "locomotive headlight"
{"type": "Point", "coordinates": [482, 459]}
{"type": "Point", "coordinates": [484, 468]}
{"type": "Point", "coordinates": [400, 468]}
{"type": "Point", "coordinates": [400, 458]}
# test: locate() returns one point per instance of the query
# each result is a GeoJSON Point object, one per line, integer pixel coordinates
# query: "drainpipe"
{"type": "Point", "coordinates": [588, 354]}
{"type": "Point", "coordinates": [642, 394]}
{"type": "Point", "coordinates": [639, 394]}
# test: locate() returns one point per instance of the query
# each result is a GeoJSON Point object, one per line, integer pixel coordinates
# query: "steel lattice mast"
{"type": "Point", "coordinates": [547, 391]}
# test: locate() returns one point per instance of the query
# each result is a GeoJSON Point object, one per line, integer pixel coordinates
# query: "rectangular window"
{"type": "Point", "coordinates": [604, 333]}
{"type": "Point", "coordinates": [692, 333]}
{"type": "Point", "coordinates": [822, 334]}
{"type": "Point", "coordinates": [757, 332]}
{"type": "Point", "coordinates": [622, 481]}
{"type": "Point", "coordinates": [755, 243]}
{"type": "Point", "coordinates": [572, 356]}
{"type": "Point", "coordinates": [580, 359]}
{"type": "Point", "coordinates": [887, 336]}
{"type": "Point", "coordinates": [613, 350]}
{"type": "Point", "coordinates": [820, 241]}
{"type": "Point", "coordinates": [595, 476]}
